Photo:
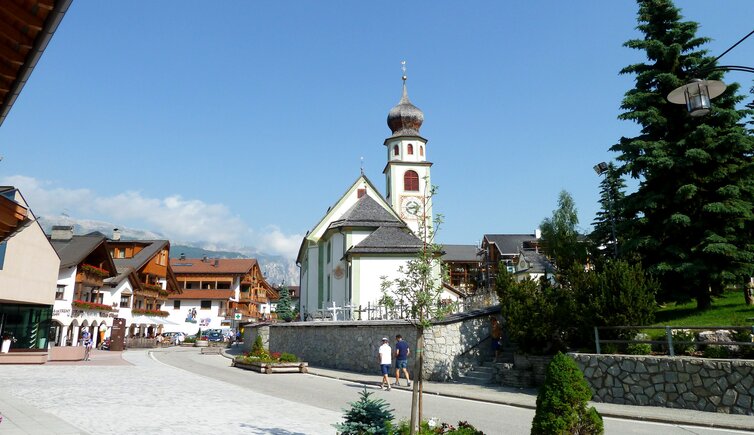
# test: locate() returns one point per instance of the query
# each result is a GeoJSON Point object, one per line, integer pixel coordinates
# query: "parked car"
{"type": "Point", "coordinates": [170, 336]}
{"type": "Point", "coordinates": [214, 336]}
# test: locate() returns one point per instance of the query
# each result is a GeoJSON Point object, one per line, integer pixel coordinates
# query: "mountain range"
{"type": "Point", "coordinates": [276, 268]}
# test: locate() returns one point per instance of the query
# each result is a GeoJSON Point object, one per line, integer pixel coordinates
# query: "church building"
{"type": "Point", "coordinates": [365, 236]}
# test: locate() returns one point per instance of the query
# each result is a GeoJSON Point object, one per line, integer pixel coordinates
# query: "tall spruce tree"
{"type": "Point", "coordinates": [284, 308]}
{"type": "Point", "coordinates": [693, 209]}
{"type": "Point", "coordinates": [610, 217]}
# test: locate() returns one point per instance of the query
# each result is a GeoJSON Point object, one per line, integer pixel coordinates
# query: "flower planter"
{"type": "Point", "coordinates": [201, 343]}
{"type": "Point", "coordinates": [269, 368]}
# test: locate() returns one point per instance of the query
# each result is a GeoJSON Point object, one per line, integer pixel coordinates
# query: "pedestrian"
{"type": "Point", "coordinates": [86, 340]}
{"type": "Point", "coordinates": [496, 334]}
{"type": "Point", "coordinates": [401, 360]}
{"type": "Point", "coordinates": [384, 357]}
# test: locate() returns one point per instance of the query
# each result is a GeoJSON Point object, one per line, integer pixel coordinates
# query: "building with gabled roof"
{"type": "Point", "coordinates": [82, 300]}
{"type": "Point", "coordinates": [365, 237]}
{"type": "Point", "coordinates": [218, 293]}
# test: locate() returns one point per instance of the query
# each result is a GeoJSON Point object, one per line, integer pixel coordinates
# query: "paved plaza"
{"type": "Point", "coordinates": [180, 391]}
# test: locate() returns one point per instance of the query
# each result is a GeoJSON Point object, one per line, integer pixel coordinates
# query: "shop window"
{"type": "Point", "coordinates": [206, 305]}
{"type": "Point", "coordinates": [176, 305]}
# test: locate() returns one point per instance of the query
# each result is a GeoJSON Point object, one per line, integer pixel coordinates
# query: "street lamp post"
{"type": "Point", "coordinates": [698, 93]}
{"type": "Point", "coordinates": [602, 168]}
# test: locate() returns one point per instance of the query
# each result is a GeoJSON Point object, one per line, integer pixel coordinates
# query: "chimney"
{"type": "Point", "coordinates": [217, 262]}
{"type": "Point", "coordinates": [116, 234]}
{"type": "Point", "coordinates": [183, 256]}
{"type": "Point", "coordinates": [204, 259]}
{"type": "Point", "coordinates": [62, 232]}
{"type": "Point", "coordinates": [537, 233]}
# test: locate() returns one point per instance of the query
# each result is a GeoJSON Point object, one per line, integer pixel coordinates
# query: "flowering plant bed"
{"type": "Point", "coordinates": [157, 313]}
{"type": "Point", "coordinates": [265, 362]}
{"type": "Point", "coordinates": [272, 367]}
{"type": "Point", "coordinates": [94, 270]}
{"type": "Point", "coordinates": [82, 305]}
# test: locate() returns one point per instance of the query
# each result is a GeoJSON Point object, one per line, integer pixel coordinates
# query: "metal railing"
{"type": "Point", "coordinates": [669, 340]}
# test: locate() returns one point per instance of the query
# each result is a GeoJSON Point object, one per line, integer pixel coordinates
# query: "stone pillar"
{"type": "Point", "coordinates": [75, 336]}
{"type": "Point", "coordinates": [63, 337]}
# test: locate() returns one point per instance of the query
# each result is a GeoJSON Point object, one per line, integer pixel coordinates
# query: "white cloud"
{"type": "Point", "coordinates": [180, 219]}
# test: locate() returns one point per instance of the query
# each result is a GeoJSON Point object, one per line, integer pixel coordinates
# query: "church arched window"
{"type": "Point", "coordinates": [411, 181]}
{"type": "Point", "coordinates": [395, 150]}
{"type": "Point", "coordinates": [410, 149]}
{"type": "Point", "coordinates": [421, 150]}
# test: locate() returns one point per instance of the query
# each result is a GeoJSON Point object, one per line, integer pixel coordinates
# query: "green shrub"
{"type": "Point", "coordinates": [537, 314]}
{"type": "Point", "coordinates": [680, 336]}
{"type": "Point", "coordinates": [257, 346]}
{"type": "Point", "coordinates": [367, 416]}
{"type": "Point", "coordinates": [288, 357]}
{"type": "Point", "coordinates": [639, 349]}
{"type": "Point", "coordinates": [716, 352]}
{"type": "Point", "coordinates": [610, 348]}
{"type": "Point", "coordinates": [562, 402]}
{"type": "Point", "coordinates": [190, 340]}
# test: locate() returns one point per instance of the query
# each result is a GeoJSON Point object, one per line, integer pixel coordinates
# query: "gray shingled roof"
{"type": "Point", "coordinates": [537, 263]}
{"type": "Point", "coordinates": [366, 212]}
{"type": "Point", "coordinates": [388, 240]}
{"type": "Point", "coordinates": [509, 244]}
{"type": "Point", "coordinates": [466, 253]}
{"type": "Point", "coordinates": [75, 250]}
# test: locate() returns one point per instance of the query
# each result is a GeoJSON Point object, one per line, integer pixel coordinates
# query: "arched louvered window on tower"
{"type": "Point", "coordinates": [395, 150]}
{"type": "Point", "coordinates": [421, 150]}
{"type": "Point", "coordinates": [411, 181]}
{"type": "Point", "coordinates": [410, 149]}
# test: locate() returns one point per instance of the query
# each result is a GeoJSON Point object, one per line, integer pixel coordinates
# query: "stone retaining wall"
{"type": "Point", "coordinates": [714, 385]}
{"type": "Point", "coordinates": [451, 346]}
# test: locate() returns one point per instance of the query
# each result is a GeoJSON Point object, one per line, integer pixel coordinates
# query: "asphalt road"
{"type": "Point", "coordinates": [333, 395]}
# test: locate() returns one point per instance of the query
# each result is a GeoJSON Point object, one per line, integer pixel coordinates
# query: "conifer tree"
{"type": "Point", "coordinates": [609, 217]}
{"type": "Point", "coordinates": [366, 416]}
{"type": "Point", "coordinates": [692, 212]}
{"type": "Point", "coordinates": [284, 309]}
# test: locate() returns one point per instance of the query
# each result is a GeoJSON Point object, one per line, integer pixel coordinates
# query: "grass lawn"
{"type": "Point", "coordinates": [727, 310]}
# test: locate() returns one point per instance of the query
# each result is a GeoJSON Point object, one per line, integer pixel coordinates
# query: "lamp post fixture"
{"type": "Point", "coordinates": [698, 93]}
{"type": "Point", "coordinates": [602, 168]}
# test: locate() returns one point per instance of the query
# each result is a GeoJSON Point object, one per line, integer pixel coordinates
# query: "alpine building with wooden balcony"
{"type": "Point", "coordinates": [144, 282]}
{"type": "Point", "coordinates": [82, 300]}
{"type": "Point", "coordinates": [219, 292]}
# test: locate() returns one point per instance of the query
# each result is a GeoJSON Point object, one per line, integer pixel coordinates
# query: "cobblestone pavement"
{"type": "Point", "coordinates": [144, 397]}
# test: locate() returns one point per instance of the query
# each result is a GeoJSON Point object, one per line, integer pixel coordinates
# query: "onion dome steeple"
{"type": "Point", "coordinates": [405, 119]}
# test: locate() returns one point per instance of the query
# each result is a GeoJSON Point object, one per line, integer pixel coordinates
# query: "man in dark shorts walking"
{"type": "Point", "coordinates": [401, 360]}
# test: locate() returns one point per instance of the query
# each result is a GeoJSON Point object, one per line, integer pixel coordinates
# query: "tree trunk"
{"type": "Point", "coordinates": [418, 377]}
{"type": "Point", "coordinates": [703, 300]}
{"type": "Point", "coordinates": [747, 294]}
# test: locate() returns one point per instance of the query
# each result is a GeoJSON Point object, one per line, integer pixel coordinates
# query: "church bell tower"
{"type": "Point", "coordinates": [407, 169]}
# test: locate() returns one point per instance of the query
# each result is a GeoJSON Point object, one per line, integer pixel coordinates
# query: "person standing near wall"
{"type": "Point", "coordinates": [401, 360]}
{"type": "Point", "coordinates": [385, 355]}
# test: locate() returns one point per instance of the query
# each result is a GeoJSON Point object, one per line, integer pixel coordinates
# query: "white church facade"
{"type": "Point", "coordinates": [364, 236]}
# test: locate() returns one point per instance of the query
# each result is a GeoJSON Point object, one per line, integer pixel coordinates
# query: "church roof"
{"type": "Point", "coordinates": [405, 119]}
{"type": "Point", "coordinates": [388, 240]}
{"type": "Point", "coordinates": [367, 213]}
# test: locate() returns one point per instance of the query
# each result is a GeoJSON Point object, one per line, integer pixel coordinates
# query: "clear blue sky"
{"type": "Point", "coordinates": [241, 122]}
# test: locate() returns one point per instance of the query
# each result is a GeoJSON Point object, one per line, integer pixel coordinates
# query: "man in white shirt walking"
{"type": "Point", "coordinates": [385, 358]}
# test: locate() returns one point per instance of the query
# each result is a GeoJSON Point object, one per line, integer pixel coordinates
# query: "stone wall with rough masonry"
{"type": "Point", "coordinates": [451, 345]}
{"type": "Point", "coordinates": [714, 385]}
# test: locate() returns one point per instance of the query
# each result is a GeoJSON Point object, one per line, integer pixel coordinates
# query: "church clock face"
{"type": "Point", "coordinates": [411, 207]}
